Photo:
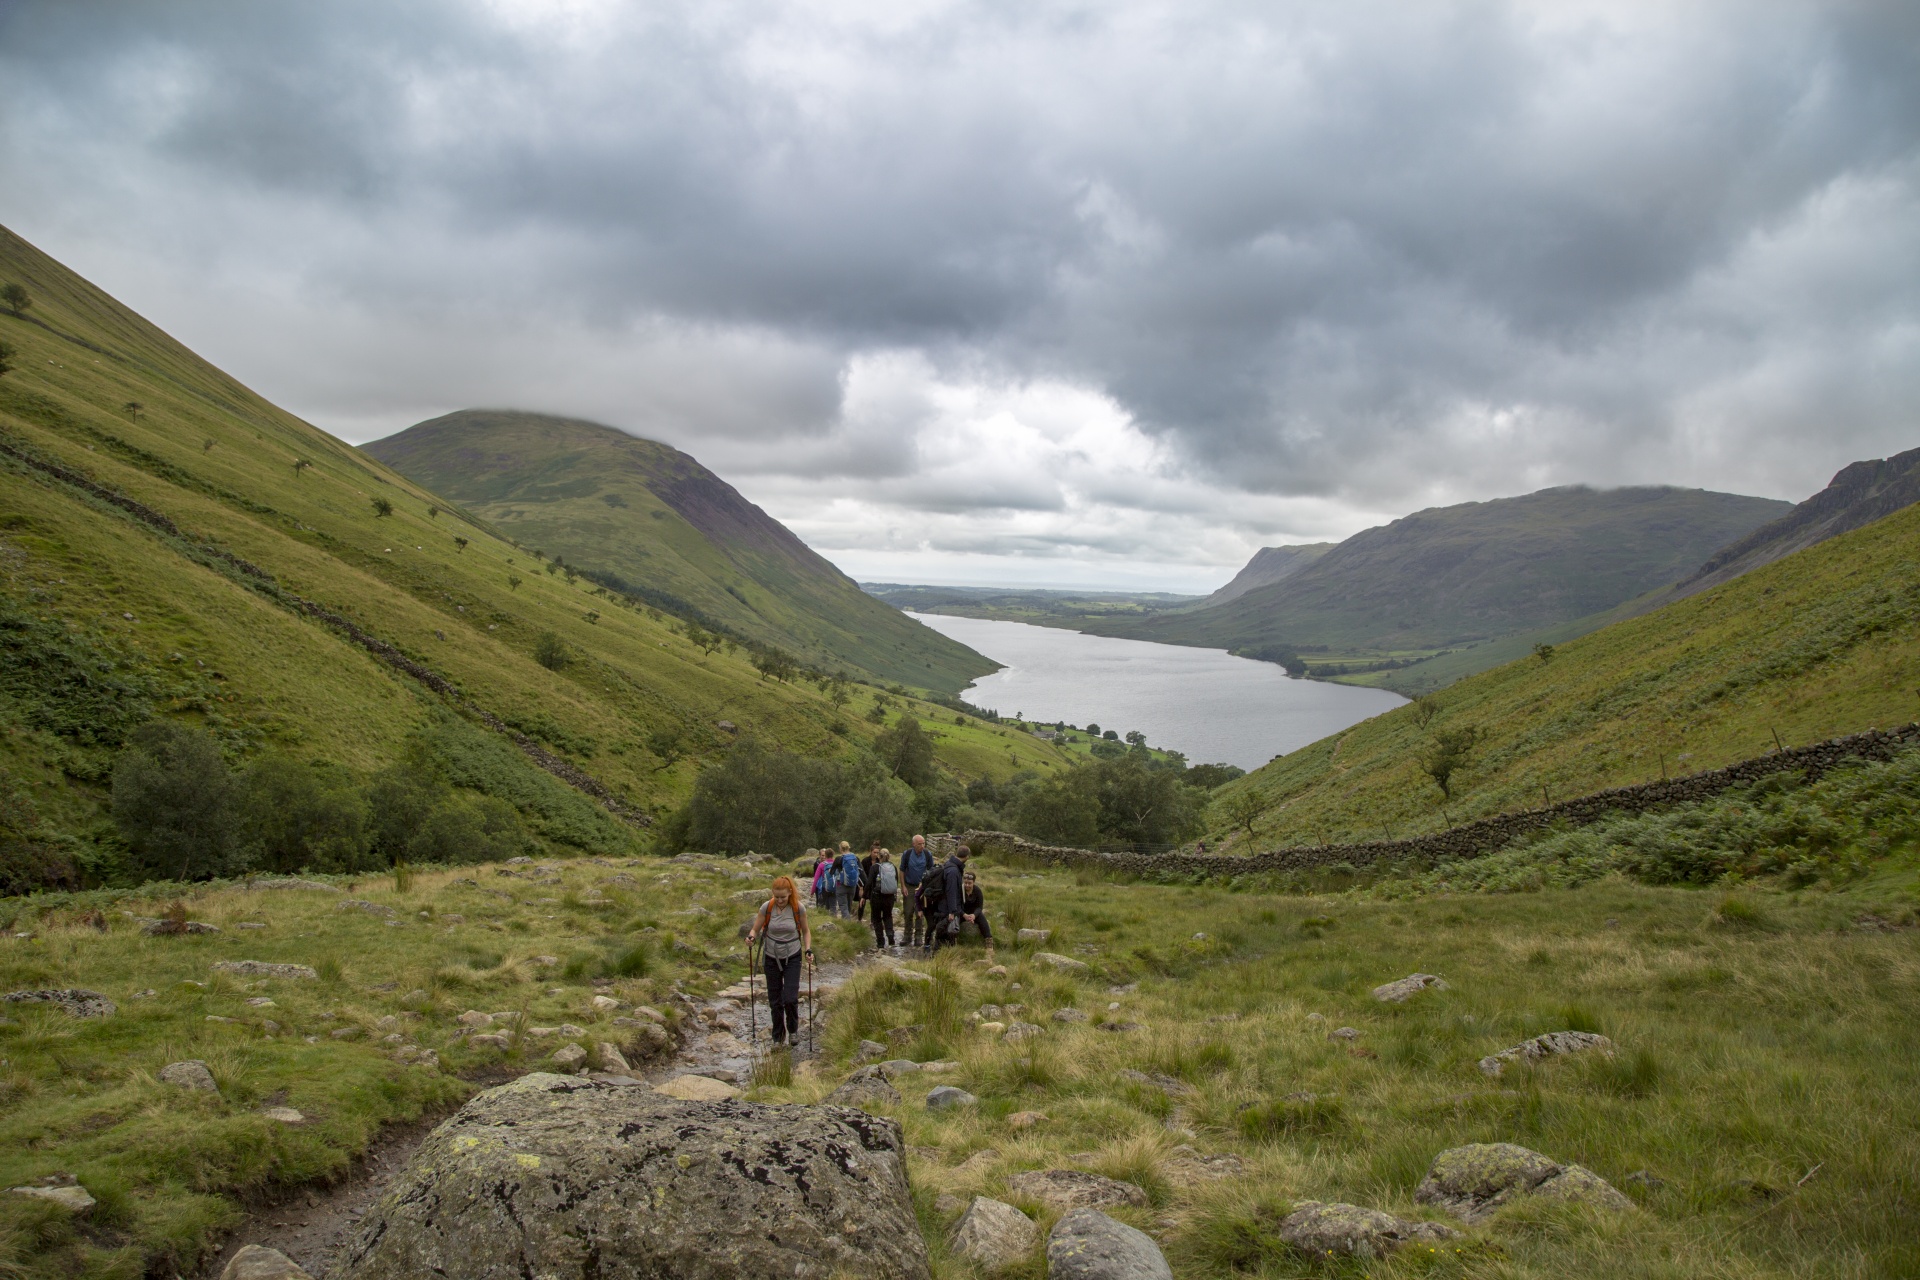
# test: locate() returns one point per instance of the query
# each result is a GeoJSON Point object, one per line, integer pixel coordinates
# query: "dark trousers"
{"type": "Point", "coordinates": [882, 905]}
{"type": "Point", "coordinates": [783, 993]}
{"type": "Point", "coordinates": [943, 923]}
{"type": "Point", "coordinates": [915, 922]}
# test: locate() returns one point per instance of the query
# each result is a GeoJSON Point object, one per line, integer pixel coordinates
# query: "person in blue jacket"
{"type": "Point", "coordinates": [915, 865]}
{"type": "Point", "coordinates": [846, 874]}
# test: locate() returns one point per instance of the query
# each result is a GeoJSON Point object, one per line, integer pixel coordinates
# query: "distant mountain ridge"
{"type": "Point", "coordinates": [1268, 566]}
{"type": "Point", "coordinates": [654, 520]}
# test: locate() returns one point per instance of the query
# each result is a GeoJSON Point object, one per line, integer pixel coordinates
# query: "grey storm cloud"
{"type": "Point", "coordinates": [1155, 282]}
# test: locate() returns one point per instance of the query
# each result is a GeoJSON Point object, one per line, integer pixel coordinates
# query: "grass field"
{"type": "Point", "coordinates": [1818, 644]}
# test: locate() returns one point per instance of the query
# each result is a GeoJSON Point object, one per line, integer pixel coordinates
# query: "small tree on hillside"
{"type": "Point", "coordinates": [513, 582]}
{"type": "Point", "coordinates": [381, 507]}
{"type": "Point", "coordinates": [1448, 755]}
{"type": "Point", "coordinates": [300, 465]}
{"type": "Point", "coordinates": [6, 359]}
{"type": "Point", "coordinates": [16, 297]}
{"type": "Point", "coordinates": [551, 652]}
{"type": "Point", "coordinates": [773, 664]}
{"type": "Point", "coordinates": [460, 542]}
{"type": "Point", "coordinates": [173, 800]}
{"type": "Point", "coordinates": [433, 513]}
{"type": "Point", "coordinates": [1245, 808]}
{"type": "Point", "coordinates": [133, 409]}
{"type": "Point", "coordinates": [1544, 652]}
{"type": "Point", "coordinates": [668, 745]}
{"type": "Point", "coordinates": [907, 752]}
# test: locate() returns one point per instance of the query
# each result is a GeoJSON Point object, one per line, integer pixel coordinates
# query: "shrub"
{"type": "Point", "coordinates": [551, 652]}
{"type": "Point", "coordinates": [1298, 1115]}
{"type": "Point", "coordinates": [173, 801]}
{"type": "Point", "coordinates": [303, 817]}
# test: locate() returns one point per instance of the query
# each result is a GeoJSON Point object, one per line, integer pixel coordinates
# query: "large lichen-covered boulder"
{"type": "Point", "coordinates": [1088, 1245]}
{"type": "Point", "coordinates": [566, 1178]}
{"type": "Point", "coordinates": [1473, 1182]}
{"type": "Point", "coordinates": [1324, 1230]}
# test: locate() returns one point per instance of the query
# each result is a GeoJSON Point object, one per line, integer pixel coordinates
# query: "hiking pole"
{"type": "Point", "coordinates": [809, 963]}
{"type": "Point", "coordinates": [753, 1003]}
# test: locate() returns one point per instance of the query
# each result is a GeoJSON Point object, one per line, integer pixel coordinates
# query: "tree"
{"type": "Point", "coordinates": [6, 359]}
{"type": "Point", "coordinates": [1424, 709]}
{"type": "Point", "coordinates": [668, 744]}
{"type": "Point", "coordinates": [173, 801]}
{"type": "Point", "coordinates": [206, 446]}
{"type": "Point", "coordinates": [381, 507]}
{"type": "Point", "coordinates": [1135, 738]}
{"type": "Point", "coordinates": [1245, 808]}
{"type": "Point", "coordinates": [837, 692]}
{"type": "Point", "coordinates": [1063, 810]}
{"type": "Point", "coordinates": [133, 409]}
{"type": "Point", "coordinates": [1111, 735]}
{"type": "Point", "coordinates": [513, 582]}
{"type": "Point", "coordinates": [16, 297]}
{"type": "Point", "coordinates": [773, 664]}
{"type": "Point", "coordinates": [1448, 755]}
{"type": "Point", "coordinates": [303, 817]}
{"type": "Point", "coordinates": [1544, 652]}
{"type": "Point", "coordinates": [1139, 805]}
{"type": "Point", "coordinates": [593, 617]}
{"type": "Point", "coordinates": [461, 543]}
{"type": "Point", "coordinates": [907, 752]}
{"type": "Point", "coordinates": [1093, 728]}
{"type": "Point", "coordinates": [433, 512]}
{"type": "Point", "coordinates": [551, 652]}
{"type": "Point", "coordinates": [1208, 776]}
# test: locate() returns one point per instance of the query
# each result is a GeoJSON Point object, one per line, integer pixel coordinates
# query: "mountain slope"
{"type": "Point", "coordinates": [1268, 566]}
{"type": "Point", "coordinates": [1454, 575]}
{"type": "Point", "coordinates": [1816, 644]}
{"type": "Point", "coordinates": [651, 516]}
{"type": "Point", "coordinates": [106, 617]}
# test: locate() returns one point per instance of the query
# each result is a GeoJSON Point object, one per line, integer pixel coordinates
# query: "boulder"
{"type": "Point", "coordinates": [1404, 989]}
{"type": "Point", "coordinates": [1064, 964]}
{"type": "Point", "coordinates": [494, 1040]}
{"type": "Point", "coordinates": [62, 1190]}
{"type": "Point", "coordinates": [1027, 1119]}
{"type": "Point", "coordinates": [893, 1067]}
{"type": "Point", "coordinates": [77, 1001]}
{"type": "Point", "coordinates": [1173, 1088]}
{"type": "Point", "coordinates": [1344, 1033]}
{"type": "Point", "coordinates": [1550, 1045]}
{"type": "Point", "coordinates": [870, 1051]}
{"type": "Point", "coordinates": [912, 975]}
{"type": "Point", "coordinates": [610, 1058]}
{"type": "Point", "coordinates": [284, 1115]}
{"type": "Point", "coordinates": [1088, 1245]}
{"type": "Point", "coordinates": [1069, 1015]}
{"type": "Point", "coordinates": [902, 1035]}
{"type": "Point", "coordinates": [1318, 1229]}
{"type": "Point", "coordinates": [165, 928]}
{"type": "Point", "coordinates": [691, 1088]}
{"type": "Point", "coordinates": [1022, 1030]}
{"type": "Point", "coordinates": [604, 1004]}
{"type": "Point", "coordinates": [191, 1074]}
{"type": "Point", "coordinates": [994, 1234]}
{"type": "Point", "coordinates": [863, 1089]}
{"type": "Point", "coordinates": [1066, 1189]}
{"type": "Point", "coordinates": [264, 969]}
{"type": "Point", "coordinates": [568, 1179]}
{"type": "Point", "coordinates": [1474, 1182]}
{"type": "Point", "coordinates": [475, 1018]}
{"type": "Point", "coordinates": [257, 1262]}
{"type": "Point", "coordinates": [1037, 937]}
{"type": "Point", "coordinates": [945, 1096]}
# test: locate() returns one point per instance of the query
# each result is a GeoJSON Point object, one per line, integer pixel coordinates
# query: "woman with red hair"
{"type": "Point", "coordinates": [788, 945]}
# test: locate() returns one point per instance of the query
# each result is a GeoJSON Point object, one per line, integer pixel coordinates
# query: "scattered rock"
{"type": "Point", "coordinates": [1165, 1083]}
{"type": "Point", "coordinates": [166, 928]}
{"type": "Point", "coordinates": [1318, 1229]}
{"type": "Point", "coordinates": [1027, 1119]}
{"type": "Point", "coordinates": [1344, 1033]}
{"type": "Point", "coordinates": [263, 969]}
{"type": "Point", "coordinates": [862, 1090]}
{"type": "Point", "coordinates": [1036, 936]}
{"type": "Point", "coordinates": [893, 1067]}
{"type": "Point", "coordinates": [257, 1262]}
{"type": "Point", "coordinates": [192, 1074]}
{"type": "Point", "coordinates": [76, 1001]}
{"type": "Point", "coordinates": [604, 1004]}
{"type": "Point", "coordinates": [690, 1088]}
{"type": "Point", "coordinates": [1065, 1189]}
{"type": "Point", "coordinates": [475, 1018]}
{"type": "Point", "coordinates": [493, 1040]}
{"type": "Point", "coordinates": [610, 1058]}
{"type": "Point", "coordinates": [1549, 1045]}
{"type": "Point", "coordinates": [61, 1189]}
{"type": "Point", "coordinates": [996, 971]}
{"type": "Point", "coordinates": [1064, 964]}
{"type": "Point", "coordinates": [265, 1002]}
{"type": "Point", "coordinates": [1088, 1245]}
{"type": "Point", "coordinates": [947, 1202]}
{"type": "Point", "coordinates": [285, 1115]}
{"type": "Point", "coordinates": [1023, 1030]}
{"type": "Point", "coordinates": [1069, 1015]}
{"type": "Point", "coordinates": [902, 1035]}
{"type": "Point", "coordinates": [942, 1097]}
{"type": "Point", "coordinates": [1405, 989]}
{"type": "Point", "coordinates": [1186, 1167]}
{"type": "Point", "coordinates": [547, 962]}
{"type": "Point", "coordinates": [1119, 1028]}
{"type": "Point", "coordinates": [994, 1234]}
{"type": "Point", "coordinates": [870, 1051]}
{"type": "Point", "coordinates": [1473, 1182]}
{"type": "Point", "coordinates": [344, 1033]}
{"type": "Point", "coordinates": [358, 904]}
{"type": "Point", "coordinates": [569, 1056]}
{"type": "Point", "coordinates": [911, 975]}
{"type": "Point", "coordinates": [939, 1064]}
{"type": "Point", "coordinates": [541, 1177]}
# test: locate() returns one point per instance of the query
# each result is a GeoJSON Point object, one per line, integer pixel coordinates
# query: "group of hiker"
{"type": "Point", "coordinates": [940, 902]}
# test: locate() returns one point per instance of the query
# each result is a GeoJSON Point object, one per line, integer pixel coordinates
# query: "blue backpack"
{"type": "Point", "coordinates": [849, 868]}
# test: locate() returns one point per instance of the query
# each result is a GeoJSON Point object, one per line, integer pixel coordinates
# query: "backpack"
{"type": "Point", "coordinates": [849, 867]}
{"type": "Point", "coordinates": [887, 879]}
{"type": "Point", "coordinates": [824, 878]}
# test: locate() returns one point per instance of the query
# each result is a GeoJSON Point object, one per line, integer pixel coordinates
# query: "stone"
{"type": "Point", "coordinates": [261, 1002]}
{"type": "Point", "coordinates": [475, 1018]}
{"type": "Point", "coordinates": [893, 1067]}
{"type": "Point", "coordinates": [1474, 1182]}
{"type": "Point", "coordinates": [1088, 1245]}
{"type": "Point", "coordinates": [691, 1088]}
{"type": "Point", "coordinates": [543, 1177]}
{"type": "Point", "coordinates": [862, 1090]}
{"type": "Point", "coordinates": [650, 1013]}
{"type": "Point", "coordinates": [344, 1033]}
{"type": "Point", "coordinates": [946, 1096]}
{"type": "Point", "coordinates": [569, 1056]}
{"type": "Point", "coordinates": [1550, 1045]}
{"type": "Point", "coordinates": [1064, 964]}
{"type": "Point", "coordinates": [1069, 1015]}
{"type": "Point", "coordinates": [1027, 1119]}
{"type": "Point", "coordinates": [1344, 1033]}
{"type": "Point", "coordinates": [1066, 1189]}
{"type": "Point", "coordinates": [166, 928]}
{"type": "Point", "coordinates": [979, 1161]}
{"type": "Point", "coordinates": [76, 1001]}
{"type": "Point", "coordinates": [264, 969]}
{"type": "Point", "coordinates": [610, 1058]}
{"type": "Point", "coordinates": [1167, 1084]}
{"type": "Point", "coordinates": [994, 1234]}
{"type": "Point", "coordinates": [996, 971]}
{"type": "Point", "coordinates": [1186, 1167]}
{"type": "Point", "coordinates": [284, 1115]}
{"type": "Point", "coordinates": [1119, 1028]}
{"type": "Point", "coordinates": [62, 1191]}
{"type": "Point", "coordinates": [1404, 989]}
{"type": "Point", "coordinates": [489, 1041]}
{"type": "Point", "coordinates": [870, 1051]}
{"type": "Point", "coordinates": [257, 1262]}
{"type": "Point", "coordinates": [938, 1065]}
{"type": "Point", "coordinates": [357, 904]}
{"type": "Point", "coordinates": [604, 1004]}
{"type": "Point", "coordinates": [1319, 1229]}
{"type": "Point", "coordinates": [991, 1028]}
{"type": "Point", "coordinates": [912, 975]}
{"type": "Point", "coordinates": [1036, 936]}
{"type": "Point", "coordinates": [191, 1074]}
{"type": "Point", "coordinates": [903, 1035]}
{"type": "Point", "coordinates": [385, 1022]}
{"type": "Point", "coordinates": [1023, 1030]}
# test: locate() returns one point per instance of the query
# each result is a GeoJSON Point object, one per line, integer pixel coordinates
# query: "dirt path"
{"type": "Point", "coordinates": [313, 1224]}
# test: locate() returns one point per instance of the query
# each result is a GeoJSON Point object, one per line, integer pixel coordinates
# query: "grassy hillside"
{"type": "Point", "coordinates": [1070, 610]}
{"type": "Point", "coordinates": [107, 619]}
{"type": "Point", "coordinates": [1817, 644]}
{"type": "Point", "coordinates": [651, 517]}
{"type": "Point", "coordinates": [1455, 575]}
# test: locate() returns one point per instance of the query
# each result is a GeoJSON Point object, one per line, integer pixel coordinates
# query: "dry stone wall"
{"type": "Point", "coordinates": [1468, 841]}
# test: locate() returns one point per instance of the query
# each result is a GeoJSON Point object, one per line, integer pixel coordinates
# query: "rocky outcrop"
{"type": "Point", "coordinates": [1067, 1189]}
{"type": "Point", "coordinates": [1065, 964]}
{"type": "Point", "coordinates": [257, 1262]}
{"type": "Point", "coordinates": [76, 1001]}
{"type": "Point", "coordinates": [1474, 1182]}
{"type": "Point", "coordinates": [191, 1074]}
{"type": "Point", "coordinates": [264, 969]}
{"type": "Point", "coordinates": [1550, 1045]}
{"type": "Point", "coordinates": [1404, 989]}
{"type": "Point", "coordinates": [1319, 1230]}
{"type": "Point", "coordinates": [1088, 1245]}
{"type": "Point", "coordinates": [569, 1179]}
{"type": "Point", "coordinates": [994, 1234]}
{"type": "Point", "coordinates": [864, 1089]}
{"type": "Point", "coordinates": [62, 1190]}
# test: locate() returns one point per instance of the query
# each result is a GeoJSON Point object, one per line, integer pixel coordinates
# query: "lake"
{"type": "Point", "coordinates": [1206, 703]}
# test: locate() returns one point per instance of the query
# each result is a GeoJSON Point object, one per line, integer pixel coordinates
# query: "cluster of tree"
{"type": "Point", "coordinates": [1286, 657]}
{"type": "Point", "coordinates": [184, 815]}
{"type": "Point", "coordinates": [1118, 799]}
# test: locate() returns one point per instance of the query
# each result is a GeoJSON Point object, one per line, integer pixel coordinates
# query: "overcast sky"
{"type": "Point", "coordinates": [1088, 294]}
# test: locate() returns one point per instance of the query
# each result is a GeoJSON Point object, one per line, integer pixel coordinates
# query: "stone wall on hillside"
{"type": "Point", "coordinates": [1470, 840]}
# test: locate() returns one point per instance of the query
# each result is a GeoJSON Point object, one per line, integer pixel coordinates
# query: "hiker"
{"type": "Point", "coordinates": [973, 910]}
{"type": "Point", "coordinates": [788, 947]}
{"type": "Point", "coordinates": [823, 881]}
{"type": "Point", "coordinates": [928, 902]}
{"type": "Point", "coordinates": [886, 885]}
{"type": "Point", "coordinates": [952, 898]}
{"type": "Point", "coordinates": [915, 864]}
{"type": "Point", "coordinates": [866, 879]}
{"type": "Point", "coordinates": [819, 857]}
{"type": "Point", "coordinates": [846, 876]}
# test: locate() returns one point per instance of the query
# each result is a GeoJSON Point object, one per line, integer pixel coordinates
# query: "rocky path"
{"type": "Point", "coordinates": [314, 1223]}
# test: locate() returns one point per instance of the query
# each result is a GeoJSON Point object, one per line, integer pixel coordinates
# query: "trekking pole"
{"type": "Point", "coordinates": [753, 1003]}
{"type": "Point", "coordinates": [809, 964]}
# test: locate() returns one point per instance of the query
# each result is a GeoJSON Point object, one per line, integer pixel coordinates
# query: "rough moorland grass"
{"type": "Point", "coordinates": [171, 1168]}
{"type": "Point", "coordinates": [1756, 1045]}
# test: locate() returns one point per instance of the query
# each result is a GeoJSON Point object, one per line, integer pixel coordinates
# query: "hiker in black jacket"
{"type": "Point", "coordinates": [952, 898]}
